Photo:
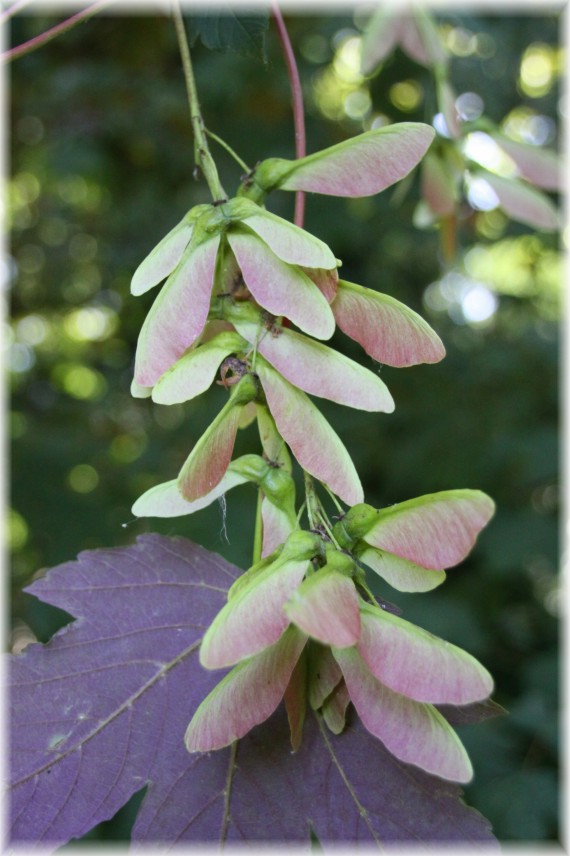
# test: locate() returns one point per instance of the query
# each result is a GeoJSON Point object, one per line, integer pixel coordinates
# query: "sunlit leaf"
{"type": "Point", "coordinates": [380, 38]}
{"type": "Point", "coordinates": [522, 202]}
{"type": "Point", "coordinates": [542, 167]}
{"type": "Point", "coordinates": [439, 187]}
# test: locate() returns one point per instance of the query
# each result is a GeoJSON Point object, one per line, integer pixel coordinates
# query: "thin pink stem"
{"type": "Point", "coordinates": [48, 35]}
{"type": "Point", "coordinates": [298, 109]}
{"type": "Point", "coordinates": [13, 10]}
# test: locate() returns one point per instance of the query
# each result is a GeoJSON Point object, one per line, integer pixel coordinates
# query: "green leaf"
{"type": "Point", "coordinates": [223, 30]}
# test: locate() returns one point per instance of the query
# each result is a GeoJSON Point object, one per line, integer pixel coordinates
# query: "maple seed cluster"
{"type": "Point", "coordinates": [447, 172]}
{"type": "Point", "coordinates": [301, 624]}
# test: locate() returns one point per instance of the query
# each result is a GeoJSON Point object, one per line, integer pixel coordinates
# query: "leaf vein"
{"type": "Point", "coordinates": [124, 706]}
{"type": "Point", "coordinates": [361, 810]}
{"type": "Point", "coordinates": [227, 796]}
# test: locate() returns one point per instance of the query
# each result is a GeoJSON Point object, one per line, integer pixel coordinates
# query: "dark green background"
{"type": "Point", "coordinates": [99, 118]}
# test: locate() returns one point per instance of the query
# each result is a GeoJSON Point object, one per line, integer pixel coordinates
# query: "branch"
{"type": "Point", "coordinates": [202, 155]}
{"type": "Point", "coordinates": [48, 35]}
{"type": "Point", "coordinates": [13, 10]}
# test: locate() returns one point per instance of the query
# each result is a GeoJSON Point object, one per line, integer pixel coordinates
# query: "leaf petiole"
{"type": "Point", "coordinates": [228, 149]}
{"type": "Point", "coordinates": [316, 513]}
{"type": "Point", "coordinates": [325, 523]}
{"type": "Point", "coordinates": [337, 504]}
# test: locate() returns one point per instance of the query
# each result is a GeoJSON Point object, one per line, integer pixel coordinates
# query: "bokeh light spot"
{"type": "Point", "coordinates": [491, 224]}
{"type": "Point", "coordinates": [126, 448]}
{"type": "Point", "coordinates": [486, 45]}
{"type": "Point", "coordinates": [53, 231]}
{"type": "Point", "coordinates": [461, 42]}
{"type": "Point", "coordinates": [357, 104]}
{"type": "Point", "coordinates": [32, 329]}
{"type": "Point", "coordinates": [79, 381]}
{"type": "Point", "coordinates": [346, 63]}
{"type": "Point", "coordinates": [90, 324]}
{"type": "Point", "coordinates": [83, 478]}
{"type": "Point", "coordinates": [528, 126]}
{"type": "Point", "coordinates": [481, 195]}
{"type": "Point", "coordinates": [521, 267]}
{"type": "Point", "coordinates": [72, 189]}
{"type": "Point", "coordinates": [483, 149]}
{"type": "Point", "coordinates": [21, 358]}
{"type": "Point", "coordinates": [479, 304]}
{"type": "Point", "coordinates": [18, 530]}
{"type": "Point", "coordinates": [465, 300]}
{"type": "Point", "coordinates": [406, 95]}
{"type": "Point", "coordinates": [25, 188]}
{"type": "Point", "coordinates": [314, 48]}
{"type": "Point", "coordinates": [469, 106]}
{"type": "Point", "coordinates": [440, 125]}
{"type": "Point", "coordinates": [338, 90]}
{"type": "Point", "coordinates": [537, 70]}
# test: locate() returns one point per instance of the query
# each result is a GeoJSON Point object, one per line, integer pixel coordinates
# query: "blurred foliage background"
{"type": "Point", "coordinates": [101, 168]}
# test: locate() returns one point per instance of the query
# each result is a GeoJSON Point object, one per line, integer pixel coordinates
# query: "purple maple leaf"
{"type": "Point", "coordinates": [101, 710]}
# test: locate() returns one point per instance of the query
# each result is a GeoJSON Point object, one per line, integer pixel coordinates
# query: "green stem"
{"type": "Point", "coordinates": [299, 515]}
{"type": "Point", "coordinates": [256, 343]}
{"type": "Point", "coordinates": [315, 511]}
{"type": "Point", "coordinates": [258, 534]}
{"type": "Point", "coordinates": [364, 586]}
{"type": "Point", "coordinates": [327, 527]}
{"type": "Point", "coordinates": [229, 150]}
{"type": "Point", "coordinates": [337, 504]}
{"type": "Point", "coordinates": [311, 499]}
{"type": "Point", "coordinates": [202, 155]}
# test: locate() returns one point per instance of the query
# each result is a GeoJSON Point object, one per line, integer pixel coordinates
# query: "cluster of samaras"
{"type": "Point", "coordinates": [302, 623]}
